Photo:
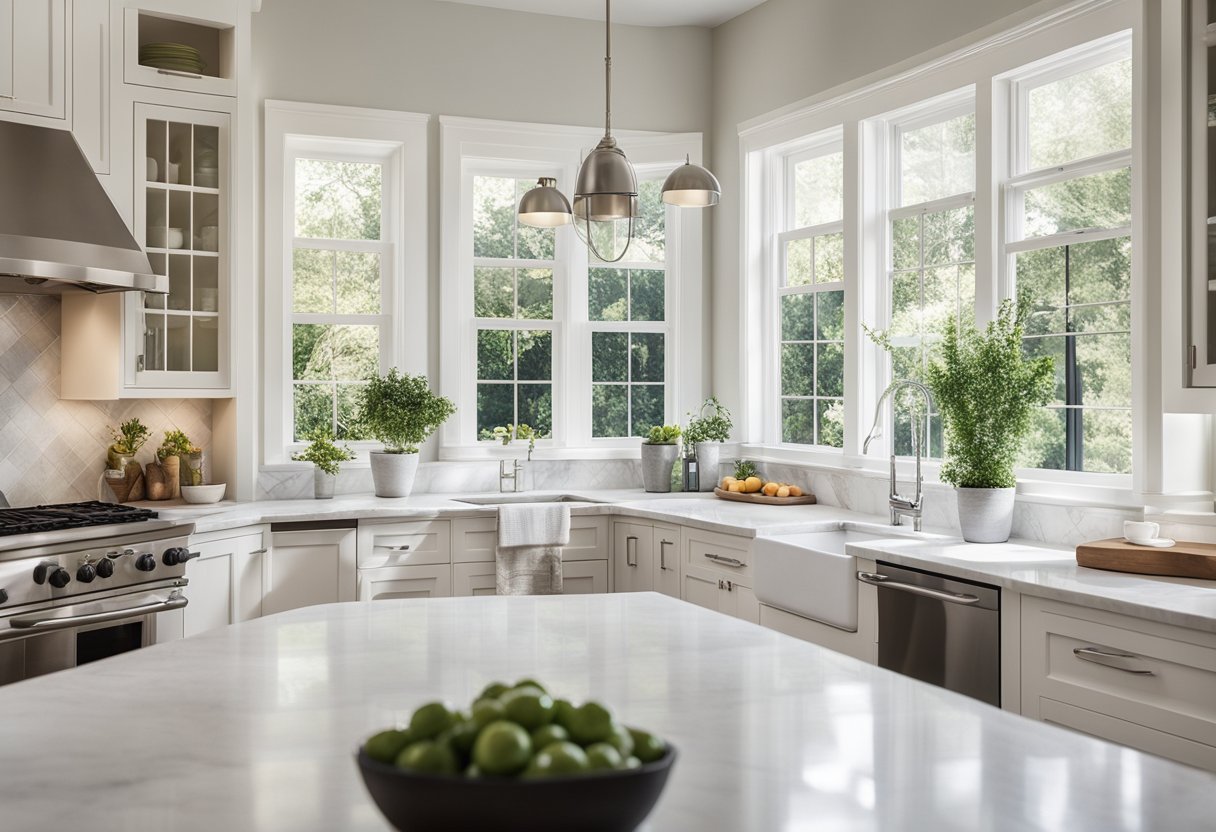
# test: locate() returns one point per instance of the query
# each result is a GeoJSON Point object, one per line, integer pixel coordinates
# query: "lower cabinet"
{"type": "Point", "coordinates": [224, 583]}
{"type": "Point", "coordinates": [707, 588]}
{"type": "Point", "coordinates": [646, 557]}
{"type": "Point", "coordinates": [307, 567]}
{"type": "Point", "coordinates": [579, 577]}
{"type": "Point", "coordinates": [388, 582]}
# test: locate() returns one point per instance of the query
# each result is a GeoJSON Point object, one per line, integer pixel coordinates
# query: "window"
{"type": "Point", "coordinates": [627, 311]}
{"type": "Point", "coordinates": [810, 300]}
{"type": "Point", "coordinates": [1069, 245]}
{"type": "Point", "coordinates": [932, 250]}
{"type": "Point", "coordinates": [513, 271]}
{"type": "Point", "coordinates": [339, 329]}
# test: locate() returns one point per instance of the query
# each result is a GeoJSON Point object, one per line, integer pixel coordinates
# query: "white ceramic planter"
{"type": "Point", "coordinates": [985, 515]}
{"type": "Point", "coordinates": [709, 455]}
{"type": "Point", "coordinates": [657, 462]}
{"type": "Point", "coordinates": [393, 474]}
{"type": "Point", "coordinates": [323, 484]}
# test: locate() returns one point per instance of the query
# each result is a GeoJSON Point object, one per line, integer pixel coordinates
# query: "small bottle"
{"type": "Point", "coordinates": [692, 478]}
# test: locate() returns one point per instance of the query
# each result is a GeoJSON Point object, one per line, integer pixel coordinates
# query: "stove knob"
{"type": "Point", "coordinates": [86, 573]}
{"type": "Point", "coordinates": [145, 562]}
{"type": "Point", "coordinates": [177, 555]}
{"type": "Point", "coordinates": [105, 568]}
{"type": "Point", "coordinates": [50, 569]}
{"type": "Point", "coordinates": [60, 578]}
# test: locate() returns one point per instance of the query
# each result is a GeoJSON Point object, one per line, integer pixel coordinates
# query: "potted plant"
{"type": "Point", "coordinates": [401, 412]}
{"type": "Point", "coordinates": [326, 458]}
{"type": "Point", "coordinates": [659, 452]}
{"type": "Point", "coordinates": [705, 433]}
{"type": "Point", "coordinates": [514, 436]}
{"type": "Point", "coordinates": [986, 390]}
{"type": "Point", "coordinates": [164, 475]}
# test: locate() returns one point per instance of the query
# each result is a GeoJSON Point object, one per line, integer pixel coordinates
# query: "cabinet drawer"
{"type": "Point", "coordinates": [396, 543]}
{"type": "Point", "coordinates": [405, 582]}
{"type": "Point", "coordinates": [726, 554]}
{"type": "Point", "coordinates": [474, 540]}
{"type": "Point", "coordinates": [1152, 675]}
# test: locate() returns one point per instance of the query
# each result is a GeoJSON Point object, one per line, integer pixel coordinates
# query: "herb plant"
{"type": "Point", "coordinates": [713, 426]}
{"type": "Point", "coordinates": [323, 453]}
{"type": "Point", "coordinates": [401, 411]}
{"type": "Point", "coordinates": [509, 432]}
{"type": "Point", "coordinates": [663, 435]}
{"type": "Point", "coordinates": [745, 468]}
{"type": "Point", "coordinates": [130, 436]}
{"type": "Point", "coordinates": [176, 443]}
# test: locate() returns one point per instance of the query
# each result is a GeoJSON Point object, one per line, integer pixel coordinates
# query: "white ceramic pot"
{"type": "Point", "coordinates": [657, 462]}
{"type": "Point", "coordinates": [393, 474]}
{"type": "Point", "coordinates": [709, 456]}
{"type": "Point", "coordinates": [323, 484]}
{"type": "Point", "coordinates": [985, 515]}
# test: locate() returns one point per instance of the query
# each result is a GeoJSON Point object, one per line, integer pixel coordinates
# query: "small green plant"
{"type": "Point", "coordinates": [176, 444]}
{"type": "Point", "coordinates": [323, 453]}
{"type": "Point", "coordinates": [130, 436]}
{"type": "Point", "coordinates": [745, 468]}
{"type": "Point", "coordinates": [509, 432]}
{"type": "Point", "coordinates": [713, 426]}
{"type": "Point", "coordinates": [401, 411]}
{"type": "Point", "coordinates": [663, 435]}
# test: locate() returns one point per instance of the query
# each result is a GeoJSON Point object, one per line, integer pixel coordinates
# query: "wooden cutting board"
{"type": "Point", "coordinates": [1183, 560]}
{"type": "Point", "coordinates": [738, 496]}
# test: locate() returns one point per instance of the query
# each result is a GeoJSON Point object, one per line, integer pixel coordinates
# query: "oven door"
{"type": "Point", "coordinates": [41, 641]}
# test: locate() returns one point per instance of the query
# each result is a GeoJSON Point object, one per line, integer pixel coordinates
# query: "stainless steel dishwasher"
{"type": "Point", "coordinates": [945, 631]}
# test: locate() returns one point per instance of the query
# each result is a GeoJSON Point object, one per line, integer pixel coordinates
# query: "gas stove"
{"type": "Point", "coordinates": [26, 528]}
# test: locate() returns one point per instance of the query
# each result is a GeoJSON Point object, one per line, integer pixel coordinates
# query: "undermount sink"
{"type": "Point", "coordinates": [810, 574]}
{"type": "Point", "coordinates": [524, 497]}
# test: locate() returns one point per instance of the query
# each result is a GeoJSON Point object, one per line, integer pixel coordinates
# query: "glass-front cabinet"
{"type": "Point", "coordinates": [180, 340]}
{"type": "Point", "coordinates": [1203, 193]}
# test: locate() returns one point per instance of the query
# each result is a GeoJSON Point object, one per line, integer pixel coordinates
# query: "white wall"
{"type": "Point", "coordinates": [784, 51]}
{"type": "Point", "coordinates": [453, 59]}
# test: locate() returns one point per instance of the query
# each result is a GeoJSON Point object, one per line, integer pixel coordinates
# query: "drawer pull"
{"type": "Point", "coordinates": [1109, 658]}
{"type": "Point", "coordinates": [259, 551]}
{"type": "Point", "coordinates": [179, 74]}
{"type": "Point", "coordinates": [631, 551]}
{"type": "Point", "coordinates": [404, 547]}
{"type": "Point", "coordinates": [732, 562]}
{"type": "Point", "coordinates": [663, 544]}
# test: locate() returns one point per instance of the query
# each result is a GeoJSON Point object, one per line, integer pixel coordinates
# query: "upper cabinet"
{"type": "Point", "coordinates": [1203, 193]}
{"type": "Point", "coordinates": [177, 53]}
{"type": "Point", "coordinates": [91, 76]}
{"type": "Point", "coordinates": [33, 57]}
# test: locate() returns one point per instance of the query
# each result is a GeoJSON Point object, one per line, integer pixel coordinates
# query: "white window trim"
{"type": "Point", "coordinates": [519, 149]}
{"type": "Point", "coordinates": [400, 139]}
{"type": "Point", "coordinates": [984, 63]}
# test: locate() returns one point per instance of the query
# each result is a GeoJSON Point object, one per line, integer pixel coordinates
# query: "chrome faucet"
{"type": "Point", "coordinates": [902, 506]}
{"type": "Point", "coordinates": [513, 475]}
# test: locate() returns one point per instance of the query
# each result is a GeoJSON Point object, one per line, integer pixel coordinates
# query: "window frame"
{"type": "Point", "coordinates": [397, 141]}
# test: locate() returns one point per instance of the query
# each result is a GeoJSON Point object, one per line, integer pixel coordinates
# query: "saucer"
{"type": "Point", "coordinates": [1159, 542]}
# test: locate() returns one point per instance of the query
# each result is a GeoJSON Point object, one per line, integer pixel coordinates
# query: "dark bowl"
{"type": "Point", "coordinates": [612, 801]}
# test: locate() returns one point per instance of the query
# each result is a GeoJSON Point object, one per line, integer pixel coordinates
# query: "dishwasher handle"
{"type": "Point", "coordinates": [940, 594]}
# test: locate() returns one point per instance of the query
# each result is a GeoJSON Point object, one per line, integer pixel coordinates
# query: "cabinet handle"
{"type": "Point", "coordinates": [259, 551]}
{"type": "Point", "coordinates": [631, 551]}
{"type": "Point", "coordinates": [1109, 658]}
{"type": "Point", "coordinates": [8, 97]}
{"type": "Point", "coordinates": [404, 547]}
{"type": "Point", "coordinates": [179, 74]}
{"type": "Point", "coordinates": [663, 544]}
{"type": "Point", "coordinates": [733, 562]}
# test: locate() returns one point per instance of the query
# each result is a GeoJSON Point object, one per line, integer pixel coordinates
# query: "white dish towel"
{"type": "Point", "coordinates": [528, 559]}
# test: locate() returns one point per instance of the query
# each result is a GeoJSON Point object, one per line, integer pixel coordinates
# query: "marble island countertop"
{"type": "Point", "coordinates": [254, 726]}
{"type": "Point", "coordinates": [1033, 568]}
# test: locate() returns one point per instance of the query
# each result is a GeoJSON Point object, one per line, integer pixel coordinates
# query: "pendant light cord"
{"type": "Point", "coordinates": [607, 68]}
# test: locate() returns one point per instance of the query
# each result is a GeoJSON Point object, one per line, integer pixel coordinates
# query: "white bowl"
{"type": "Point", "coordinates": [201, 494]}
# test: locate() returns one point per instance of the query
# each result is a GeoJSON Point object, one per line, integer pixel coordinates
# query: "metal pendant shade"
{"type": "Point", "coordinates": [544, 206]}
{"type": "Point", "coordinates": [691, 186]}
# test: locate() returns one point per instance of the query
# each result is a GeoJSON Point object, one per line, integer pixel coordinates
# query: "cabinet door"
{"type": "Point", "coordinates": [584, 577]}
{"type": "Point", "coordinates": [209, 592]}
{"type": "Point", "coordinates": [91, 81]}
{"type": "Point", "coordinates": [248, 566]}
{"type": "Point", "coordinates": [32, 39]}
{"type": "Point", "coordinates": [701, 588]}
{"type": "Point", "coordinates": [469, 579]}
{"type": "Point", "coordinates": [474, 540]}
{"type": "Point", "coordinates": [633, 557]}
{"type": "Point", "coordinates": [396, 543]}
{"type": "Point", "coordinates": [405, 582]}
{"type": "Point", "coordinates": [667, 560]}
{"type": "Point", "coordinates": [739, 601]}
{"type": "Point", "coordinates": [705, 588]}
{"type": "Point", "coordinates": [304, 568]}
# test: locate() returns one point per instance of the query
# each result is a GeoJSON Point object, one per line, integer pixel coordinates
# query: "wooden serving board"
{"type": "Point", "coordinates": [1182, 560]}
{"type": "Point", "coordinates": [763, 499]}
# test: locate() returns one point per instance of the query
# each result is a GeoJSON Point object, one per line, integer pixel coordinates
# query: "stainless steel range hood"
{"type": "Point", "coordinates": [59, 232]}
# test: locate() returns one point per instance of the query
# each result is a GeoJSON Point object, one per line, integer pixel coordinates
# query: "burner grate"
{"type": "Point", "coordinates": [69, 516]}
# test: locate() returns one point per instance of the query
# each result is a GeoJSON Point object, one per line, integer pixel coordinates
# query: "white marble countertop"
{"type": "Point", "coordinates": [1033, 568]}
{"type": "Point", "coordinates": [254, 726]}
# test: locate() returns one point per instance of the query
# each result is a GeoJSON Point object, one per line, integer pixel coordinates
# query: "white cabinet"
{"type": "Point", "coordinates": [389, 582]}
{"type": "Point", "coordinates": [584, 577]}
{"type": "Point", "coordinates": [214, 41]}
{"type": "Point", "coordinates": [706, 588]}
{"type": "Point", "coordinates": [584, 560]}
{"type": "Point", "coordinates": [1137, 682]}
{"type": "Point", "coordinates": [646, 557]}
{"type": "Point", "coordinates": [307, 567]}
{"type": "Point", "coordinates": [33, 57]}
{"type": "Point", "coordinates": [91, 96]}
{"type": "Point", "coordinates": [224, 583]}
{"type": "Point", "coordinates": [475, 578]}
{"type": "Point", "coordinates": [716, 573]}
{"type": "Point", "coordinates": [404, 543]}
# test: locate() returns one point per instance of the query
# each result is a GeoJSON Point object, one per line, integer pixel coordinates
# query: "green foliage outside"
{"type": "Point", "coordinates": [401, 411]}
{"type": "Point", "coordinates": [663, 435]}
{"type": "Point", "coordinates": [176, 443]}
{"type": "Point", "coordinates": [712, 426]}
{"type": "Point", "coordinates": [323, 453]}
{"type": "Point", "coordinates": [130, 436]}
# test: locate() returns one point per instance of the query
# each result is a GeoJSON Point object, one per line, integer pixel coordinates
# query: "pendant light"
{"type": "Point", "coordinates": [606, 190]}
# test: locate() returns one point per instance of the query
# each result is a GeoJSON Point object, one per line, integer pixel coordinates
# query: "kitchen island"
{"type": "Point", "coordinates": [254, 726]}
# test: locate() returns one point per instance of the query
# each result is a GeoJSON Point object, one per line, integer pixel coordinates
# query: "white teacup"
{"type": "Point", "coordinates": [1140, 532]}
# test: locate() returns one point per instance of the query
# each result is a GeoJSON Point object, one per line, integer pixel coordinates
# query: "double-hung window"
{"type": "Point", "coordinates": [932, 251]}
{"type": "Point", "coordinates": [1068, 246]}
{"type": "Point", "coordinates": [810, 298]}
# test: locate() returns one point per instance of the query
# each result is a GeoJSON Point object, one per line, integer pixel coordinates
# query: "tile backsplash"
{"type": "Point", "coordinates": [53, 451]}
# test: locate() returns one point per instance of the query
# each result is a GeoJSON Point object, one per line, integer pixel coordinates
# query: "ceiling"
{"type": "Point", "coordinates": [632, 12]}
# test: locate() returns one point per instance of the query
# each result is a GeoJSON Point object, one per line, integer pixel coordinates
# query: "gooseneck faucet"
{"type": "Point", "coordinates": [902, 506]}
